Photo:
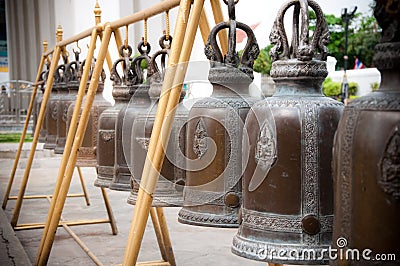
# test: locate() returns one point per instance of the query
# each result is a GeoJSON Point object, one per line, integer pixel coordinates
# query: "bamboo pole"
{"type": "Point", "coordinates": [85, 194]}
{"type": "Point", "coordinates": [145, 13]}
{"type": "Point", "coordinates": [48, 241]}
{"type": "Point", "coordinates": [118, 38]}
{"type": "Point", "coordinates": [21, 140]}
{"type": "Point", "coordinates": [70, 135]}
{"type": "Point", "coordinates": [153, 163]}
{"type": "Point", "coordinates": [133, 245]}
{"type": "Point", "coordinates": [157, 231]}
{"type": "Point", "coordinates": [18, 204]}
{"type": "Point", "coordinates": [110, 214]}
{"type": "Point", "coordinates": [165, 236]}
{"type": "Point", "coordinates": [204, 26]}
{"type": "Point", "coordinates": [219, 17]}
{"type": "Point", "coordinates": [49, 85]}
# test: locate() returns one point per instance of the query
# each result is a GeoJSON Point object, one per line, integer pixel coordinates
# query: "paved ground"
{"type": "Point", "coordinates": [192, 245]}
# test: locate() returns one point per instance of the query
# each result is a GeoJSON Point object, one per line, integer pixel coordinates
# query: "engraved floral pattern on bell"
{"type": "Point", "coordinates": [265, 149]}
{"type": "Point", "coordinates": [390, 166]}
{"type": "Point", "coordinates": [200, 139]}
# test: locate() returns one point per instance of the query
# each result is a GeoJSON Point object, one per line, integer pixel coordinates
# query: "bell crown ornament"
{"type": "Point", "coordinates": [231, 60]}
{"type": "Point", "coordinates": [305, 57]}
{"type": "Point", "coordinates": [387, 52]}
{"type": "Point", "coordinates": [154, 72]}
{"type": "Point", "coordinates": [121, 83]}
{"type": "Point", "coordinates": [72, 68]}
{"type": "Point", "coordinates": [136, 65]}
{"type": "Point", "coordinates": [102, 77]}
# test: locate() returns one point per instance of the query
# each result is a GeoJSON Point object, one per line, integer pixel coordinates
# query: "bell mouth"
{"type": "Point", "coordinates": [296, 69]}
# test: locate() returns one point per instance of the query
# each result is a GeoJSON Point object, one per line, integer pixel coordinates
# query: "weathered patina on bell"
{"type": "Point", "coordinates": [108, 119]}
{"type": "Point", "coordinates": [52, 107]}
{"type": "Point", "coordinates": [67, 96]}
{"type": "Point", "coordinates": [287, 211]}
{"type": "Point", "coordinates": [169, 189]}
{"type": "Point", "coordinates": [87, 151]}
{"type": "Point", "coordinates": [139, 101]}
{"type": "Point", "coordinates": [367, 160]}
{"type": "Point", "coordinates": [213, 191]}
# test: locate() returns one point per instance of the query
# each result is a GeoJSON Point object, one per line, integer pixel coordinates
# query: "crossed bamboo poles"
{"type": "Point", "coordinates": [188, 20]}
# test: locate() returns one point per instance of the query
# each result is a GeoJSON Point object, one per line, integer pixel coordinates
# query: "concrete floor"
{"type": "Point", "coordinates": [192, 245]}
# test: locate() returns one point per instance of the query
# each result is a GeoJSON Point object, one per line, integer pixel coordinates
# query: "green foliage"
{"type": "Point", "coordinates": [263, 62]}
{"type": "Point", "coordinates": [14, 137]}
{"type": "Point", "coordinates": [334, 89]}
{"type": "Point", "coordinates": [364, 33]}
{"type": "Point", "coordinates": [374, 86]}
{"type": "Point", "coordinates": [331, 88]}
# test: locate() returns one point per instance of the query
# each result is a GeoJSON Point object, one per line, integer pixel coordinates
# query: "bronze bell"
{"type": "Point", "coordinates": [87, 151]}
{"type": "Point", "coordinates": [212, 195]}
{"type": "Point", "coordinates": [367, 160]}
{"type": "Point", "coordinates": [287, 183]}
{"type": "Point", "coordinates": [67, 94]}
{"type": "Point", "coordinates": [53, 107]}
{"type": "Point", "coordinates": [169, 189]}
{"type": "Point", "coordinates": [139, 101]}
{"type": "Point", "coordinates": [108, 119]}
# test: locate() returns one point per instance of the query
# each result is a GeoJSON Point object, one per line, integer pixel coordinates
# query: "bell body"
{"type": "Point", "coordinates": [169, 189]}
{"type": "Point", "coordinates": [367, 175]}
{"type": "Point", "coordinates": [52, 109]}
{"type": "Point", "coordinates": [66, 97]}
{"type": "Point", "coordinates": [287, 184]}
{"type": "Point", "coordinates": [213, 191]}
{"type": "Point", "coordinates": [106, 137]}
{"type": "Point", "coordinates": [140, 101]}
{"type": "Point", "coordinates": [87, 151]}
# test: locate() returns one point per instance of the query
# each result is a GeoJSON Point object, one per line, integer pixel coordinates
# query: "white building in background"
{"type": "Point", "coordinates": [29, 22]}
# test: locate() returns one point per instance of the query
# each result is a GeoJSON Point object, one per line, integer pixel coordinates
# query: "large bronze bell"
{"type": "Point", "coordinates": [287, 211]}
{"type": "Point", "coordinates": [67, 95]}
{"type": "Point", "coordinates": [169, 189]}
{"type": "Point", "coordinates": [139, 101]}
{"type": "Point", "coordinates": [212, 195]}
{"type": "Point", "coordinates": [52, 107]}
{"type": "Point", "coordinates": [87, 151]}
{"type": "Point", "coordinates": [367, 161]}
{"type": "Point", "coordinates": [108, 119]}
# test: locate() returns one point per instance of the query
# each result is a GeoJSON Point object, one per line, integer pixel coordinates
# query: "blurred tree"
{"type": "Point", "coordinates": [263, 62]}
{"type": "Point", "coordinates": [364, 34]}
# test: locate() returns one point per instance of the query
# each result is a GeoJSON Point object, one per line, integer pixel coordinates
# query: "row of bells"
{"type": "Point", "coordinates": [265, 166]}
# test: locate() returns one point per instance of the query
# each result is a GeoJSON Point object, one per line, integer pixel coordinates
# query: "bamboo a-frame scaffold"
{"type": "Point", "coordinates": [180, 53]}
{"type": "Point", "coordinates": [44, 60]}
{"type": "Point", "coordinates": [21, 193]}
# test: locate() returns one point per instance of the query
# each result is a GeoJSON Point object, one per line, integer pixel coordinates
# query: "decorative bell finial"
{"type": "Point", "coordinates": [250, 52]}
